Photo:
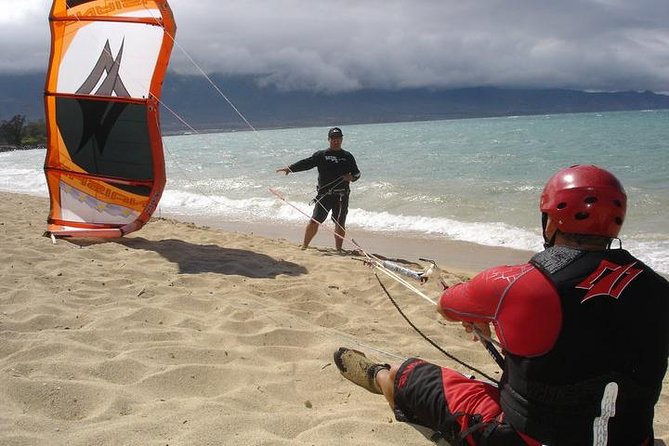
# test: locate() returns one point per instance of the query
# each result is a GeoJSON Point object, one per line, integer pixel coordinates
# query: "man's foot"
{"type": "Point", "coordinates": [355, 367]}
{"type": "Point", "coordinates": [303, 247]}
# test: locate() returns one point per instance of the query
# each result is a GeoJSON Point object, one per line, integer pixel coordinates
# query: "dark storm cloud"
{"type": "Point", "coordinates": [345, 45]}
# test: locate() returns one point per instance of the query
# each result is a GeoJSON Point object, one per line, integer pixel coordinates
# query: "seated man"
{"type": "Point", "coordinates": [584, 328]}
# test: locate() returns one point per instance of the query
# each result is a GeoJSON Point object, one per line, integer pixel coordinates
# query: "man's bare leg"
{"type": "Point", "coordinates": [309, 233]}
{"type": "Point", "coordinates": [340, 233]}
{"type": "Point", "coordinates": [386, 379]}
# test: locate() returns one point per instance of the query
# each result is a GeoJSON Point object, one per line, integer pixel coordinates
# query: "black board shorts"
{"type": "Point", "coordinates": [334, 202]}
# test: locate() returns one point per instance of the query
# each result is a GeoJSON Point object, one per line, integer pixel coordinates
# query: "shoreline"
{"type": "Point", "coordinates": [12, 147]}
{"type": "Point", "coordinates": [453, 255]}
{"type": "Point", "coordinates": [458, 256]}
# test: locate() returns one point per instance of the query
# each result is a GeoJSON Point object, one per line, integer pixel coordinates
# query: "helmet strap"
{"type": "Point", "coordinates": [549, 243]}
{"type": "Point", "coordinates": [544, 222]}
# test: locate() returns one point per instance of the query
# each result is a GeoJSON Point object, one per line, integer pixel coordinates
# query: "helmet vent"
{"type": "Point", "coordinates": [619, 221]}
{"type": "Point", "coordinates": [590, 200]}
{"type": "Point", "coordinates": [617, 203]}
{"type": "Point", "coordinates": [581, 215]}
{"type": "Point", "coordinates": [562, 205]}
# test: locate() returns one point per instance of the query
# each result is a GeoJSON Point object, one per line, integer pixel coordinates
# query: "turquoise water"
{"type": "Point", "coordinates": [476, 180]}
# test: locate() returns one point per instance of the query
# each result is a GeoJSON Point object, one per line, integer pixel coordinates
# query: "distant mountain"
{"type": "Point", "coordinates": [197, 102]}
{"type": "Point", "coordinates": [22, 94]}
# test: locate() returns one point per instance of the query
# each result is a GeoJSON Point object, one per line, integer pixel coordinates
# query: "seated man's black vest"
{"type": "Point", "coordinates": [604, 375]}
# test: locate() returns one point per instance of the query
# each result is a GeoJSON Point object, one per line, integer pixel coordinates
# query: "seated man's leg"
{"type": "Point", "coordinates": [445, 401]}
{"type": "Point", "coordinates": [464, 411]}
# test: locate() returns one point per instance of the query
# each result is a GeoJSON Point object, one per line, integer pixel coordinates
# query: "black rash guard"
{"type": "Point", "coordinates": [331, 164]}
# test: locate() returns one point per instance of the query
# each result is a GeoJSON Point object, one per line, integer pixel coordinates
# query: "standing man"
{"type": "Point", "coordinates": [585, 329]}
{"type": "Point", "coordinates": [336, 169]}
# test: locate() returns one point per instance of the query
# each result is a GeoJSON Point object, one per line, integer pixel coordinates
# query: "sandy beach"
{"type": "Point", "coordinates": [181, 334]}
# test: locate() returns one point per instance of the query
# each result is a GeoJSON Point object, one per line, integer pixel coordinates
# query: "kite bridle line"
{"type": "Point", "coordinates": [377, 264]}
{"type": "Point", "coordinates": [211, 82]}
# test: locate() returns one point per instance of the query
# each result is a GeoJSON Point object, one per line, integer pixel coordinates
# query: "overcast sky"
{"type": "Point", "coordinates": [343, 45]}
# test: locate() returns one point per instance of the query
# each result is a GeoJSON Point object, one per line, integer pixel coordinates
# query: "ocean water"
{"type": "Point", "coordinates": [475, 180]}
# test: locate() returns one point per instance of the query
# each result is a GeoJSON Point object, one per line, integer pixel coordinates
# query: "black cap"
{"type": "Point", "coordinates": [335, 132]}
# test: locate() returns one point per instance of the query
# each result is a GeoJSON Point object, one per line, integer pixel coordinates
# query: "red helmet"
{"type": "Point", "coordinates": [584, 200]}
